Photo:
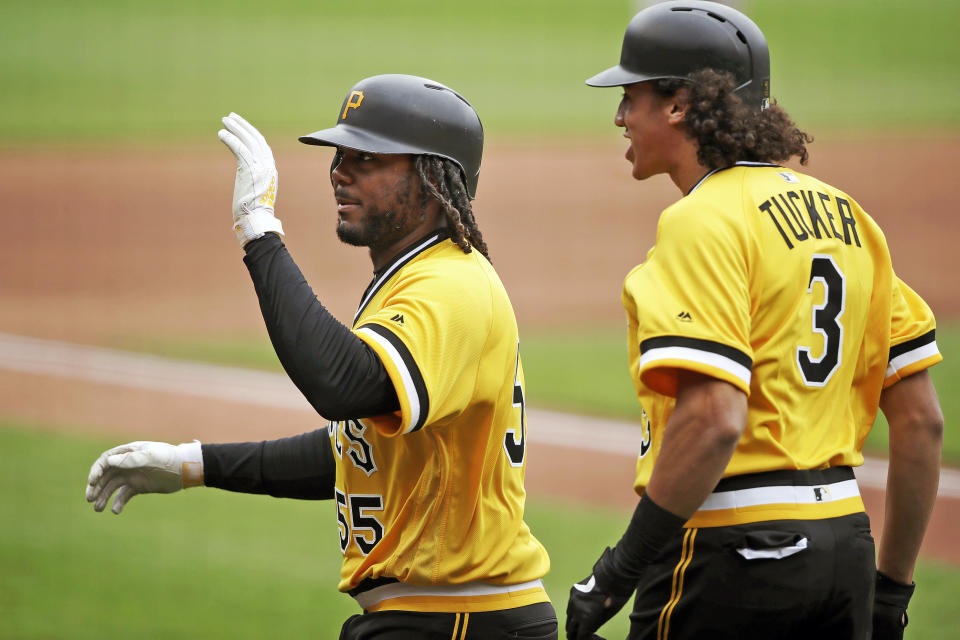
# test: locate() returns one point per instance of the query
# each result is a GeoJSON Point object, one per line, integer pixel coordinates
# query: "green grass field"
{"type": "Point", "coordinates": [120, 70]}
{"type": "Point", "coordinates": [206, 563]}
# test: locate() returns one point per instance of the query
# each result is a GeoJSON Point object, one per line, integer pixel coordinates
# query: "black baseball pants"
{"type": "Point", "coordinates": [780, 579]}
{"type": "Point", "coordinates": [532, 622]}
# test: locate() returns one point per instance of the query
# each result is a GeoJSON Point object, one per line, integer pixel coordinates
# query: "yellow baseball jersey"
{"type": "Point", "coordinates": [430, 498]}
{"type": "Point", "coordinates": [781, 285]}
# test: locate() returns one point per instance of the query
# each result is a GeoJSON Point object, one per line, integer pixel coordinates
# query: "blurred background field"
{"type": "Point", "coordinates": [123, 70]}
{"type": "Point", "coordinates": [85, 81]}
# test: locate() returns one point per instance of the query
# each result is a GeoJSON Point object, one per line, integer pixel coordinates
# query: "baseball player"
{"type": "Point", "coordinates": [766, 327]}
{"type": "Point", "coordinates": [424, 457]}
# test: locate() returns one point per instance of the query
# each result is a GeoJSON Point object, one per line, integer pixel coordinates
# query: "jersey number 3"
{"type": "Point", "coordinates": [826, 322]}
{"type": "Point", "coordinates": [514, 447]}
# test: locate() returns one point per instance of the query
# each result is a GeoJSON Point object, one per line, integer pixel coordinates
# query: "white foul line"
{"type": "Point", "coordinates": [153, 373]}
{"type": "Point", "coordinates": [235, 384]}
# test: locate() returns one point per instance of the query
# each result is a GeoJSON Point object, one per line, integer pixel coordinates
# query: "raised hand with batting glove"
{"type": "Point", "coordinates": [406, 161]}
{"type": "Point", "coordinates": [143, 467]}
{"type": "Point", "coordinates": [255, 187]}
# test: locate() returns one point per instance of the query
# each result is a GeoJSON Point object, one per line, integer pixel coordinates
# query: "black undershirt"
{"type": "Point", "coordinates": [339, 374]}
{"type": "Point", "coordinates": [298, 467]}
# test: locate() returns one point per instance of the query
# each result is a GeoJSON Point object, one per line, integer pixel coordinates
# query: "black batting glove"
{"type": "Point", "coordinates": [616, 574]}
{"type": "Point", "coordinates": [596, 599]}
{"type": "Point", "coordinates": [890, 607]}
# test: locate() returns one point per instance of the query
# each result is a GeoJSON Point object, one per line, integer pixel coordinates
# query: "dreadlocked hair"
{"type": "Point", "coordinates": [727, 130]}
{"type": "Point", "coordinates": [443, 180]}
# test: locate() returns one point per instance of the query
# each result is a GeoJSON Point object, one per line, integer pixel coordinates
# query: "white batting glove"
{"type": "Point", "coordinates": [255, 187]}
{"type": "Point", "coordinates": [143, 467]}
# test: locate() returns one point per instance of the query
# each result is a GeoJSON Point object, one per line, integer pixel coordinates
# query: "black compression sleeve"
{"type": "Point", "coordinates": [340, 375]}
{"type": "Point", "coordinates": [297, 467]}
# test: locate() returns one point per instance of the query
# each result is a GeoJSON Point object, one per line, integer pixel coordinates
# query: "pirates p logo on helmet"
{"type": "Point", "coordinates": [353, 101]}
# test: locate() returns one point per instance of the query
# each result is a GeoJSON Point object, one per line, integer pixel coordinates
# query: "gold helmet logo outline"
{"type": "Point", "coordinates": [350, 104]}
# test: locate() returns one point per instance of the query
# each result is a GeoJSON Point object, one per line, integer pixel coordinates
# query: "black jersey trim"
{"type": "Point", "coordinates": [381, 277]}
{"type": "Point", "coordinates": [408, 366]}
{"type": "Point", "coordinates": [910, 345]}
{"type": "Point", "coordinates": [663, 342]}
{"type": "Point", "coordinates": [370, 583]}
{"type": "Point", "coordinates": [741, 163]}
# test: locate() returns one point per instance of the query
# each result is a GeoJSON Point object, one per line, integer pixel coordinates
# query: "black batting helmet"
{"type": "Point", "coordinates": [674, 39]}
{"type": "Point", "coordinates": [395, 113]}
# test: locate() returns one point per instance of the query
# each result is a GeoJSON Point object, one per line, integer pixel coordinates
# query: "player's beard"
{"type": "Point", "coordinates": [377, 228]}
{"type": "Point", "coordinates": [384, 224]}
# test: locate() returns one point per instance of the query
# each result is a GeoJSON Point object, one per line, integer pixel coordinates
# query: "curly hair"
{"type": "Point", "coordinates": [727, 130]}
{"type": "Point", "coordinates": [443, 180]}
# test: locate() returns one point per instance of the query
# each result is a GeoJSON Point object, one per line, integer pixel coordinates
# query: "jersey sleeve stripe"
{"type": "Point", "coordinates": [400, 357]}
{"type": "Point", "coordinates": [904, 361]}
{"type": "Point", "coordinates": [707, 352]}
{"type": "Point", "coordinates": [697, 344]}
{"type": "Point", "coordinates": [905, 348]}
{"type": "Point", "coordinates": [678, 355]}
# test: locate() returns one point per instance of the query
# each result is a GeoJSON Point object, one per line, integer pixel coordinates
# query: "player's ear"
{"type": "Point", "coordinates": [676, 106]}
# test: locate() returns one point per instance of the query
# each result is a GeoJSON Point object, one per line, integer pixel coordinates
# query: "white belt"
{"type": "Point", "coordinates": [370, 598]}
{"type": "Point", "coordinates": [788, 494]}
